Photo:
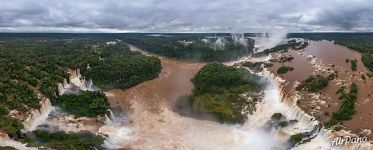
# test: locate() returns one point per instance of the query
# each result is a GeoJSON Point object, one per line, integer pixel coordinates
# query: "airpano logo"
{"type": "Point", "coordinates": [346, 140]}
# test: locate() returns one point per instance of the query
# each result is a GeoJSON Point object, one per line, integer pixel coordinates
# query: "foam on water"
{"type": "Point", "coordinates": [38, 117]}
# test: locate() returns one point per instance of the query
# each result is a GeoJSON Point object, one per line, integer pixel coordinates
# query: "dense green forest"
{"type": "Point", "coordinates": [217, 89]}
{"type": "Point", "coordinates": [36, 63]}
{"type": "Point", "coordinates": [69, 141]}
{"type": "Point", "coordinates": [189, 46]}
{"type": "Point", "coordinates": [122, 68]}
{"type": "Point", "coordinates": [13, 128]}
{"type": "Point", "coordinates": [16, 95]}
{"type": "Point", "coordinates": [85, 103]}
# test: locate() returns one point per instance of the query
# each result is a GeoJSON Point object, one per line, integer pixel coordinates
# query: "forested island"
{"type": "Point", "coordinates": [32, 65]}
{"type": "Point", "coordinates": [347, 107]}
{"type": "Point", "coordinates": [85, 103]}
{"type": "Point", "coordinates": [218, 90]}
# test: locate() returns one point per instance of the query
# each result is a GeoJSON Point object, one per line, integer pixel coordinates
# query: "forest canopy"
{"type": "Point", "coordinates": [218, 88]}
{"type": "Point", "coordinates": [86, 103]}
{"type": "Point", "coordinates": [199, 47]}
{"type": "Point", "coordinates": [72, 141]}
{"type": "Point", "coordinates": [32, 65]}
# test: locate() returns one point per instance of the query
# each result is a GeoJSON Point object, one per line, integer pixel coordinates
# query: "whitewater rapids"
{"type": "Point", "coordinates": [169, 130]}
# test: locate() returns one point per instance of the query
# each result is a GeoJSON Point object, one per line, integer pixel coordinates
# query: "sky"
{"type": "Point", "coordinates": [186, 15]}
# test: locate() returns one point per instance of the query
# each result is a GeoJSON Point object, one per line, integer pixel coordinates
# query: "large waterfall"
{"type": "Point", "coordinates": [38, 117]}
{"type": "Point", "coordinates": [115, 130]}
{"type": "Point", "coordinates": [169, 130]}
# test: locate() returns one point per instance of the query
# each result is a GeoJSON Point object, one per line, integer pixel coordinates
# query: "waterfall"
{"type": "Point", "coordinates": [319, 138]}
{"type": "Point", "coordinates": [117, 137]}
{"type": "Point", "coordinates": [6, 141]}
{"type": "Point", "coordinates": [269, 40]}
{"type": "Point", "coordinates": [115, 119]}
{"type": "Point", "coordinates": [61, 89]}
{"type": "Point", "coordinates": [64, 82]}
{"type": "Point", "coordinates": [148, 129]}
{"type": "Point", "coordinates": [115, 130]}
{"type": "Point", "coordinates": [38, 117]}
{"type": "Point", "coordinates": [111, 119]}
{"type": "Point", "coordinates": [78, 75]}
{"type": "Point", "coordinates": [89, 85]}
{"type": "Point", "coordinates": [77, 82]}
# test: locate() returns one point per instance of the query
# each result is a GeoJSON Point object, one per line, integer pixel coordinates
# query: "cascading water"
{"type": "Point", "coordinates": [38, 117]}
{"type": "Point", "coordinates": [77, 82]}
{"type": "Point", "coordinates": [239, 38]}
{"type": "Point", "coordinates": [115, 131]}
{"type": "Point", "coordinates": [58, 120]}
{"type": "Point", "coordinates": [169, 130]}
{"type": "Point", "coordinates": [219, 44]}
{"type": "Point", "coordinates": [115, 119]}
{"type": "Point", "coordinates": [61, 89]}
{"type": "Point", "coordinates": [6, 141]}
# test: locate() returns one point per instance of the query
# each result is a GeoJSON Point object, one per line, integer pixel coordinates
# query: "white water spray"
{"type": "Point", "coordinates": [38, 117]}
{"type": "Point", "coordinates": [239, 38]}
{"type": "Point", "coordinates": [169, 130]}
{"type": "Point", "coordinates": [77, 82]}
{"type": "Point", "coordinates": [219, 44]}
{"type": "Point", "coordinates": [269, 39]}
{"type": "Point", "coordinates": [6, 141]}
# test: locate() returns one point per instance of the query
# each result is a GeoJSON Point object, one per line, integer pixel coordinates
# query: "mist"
{"type": "Point", "coordinates": [269, 39]}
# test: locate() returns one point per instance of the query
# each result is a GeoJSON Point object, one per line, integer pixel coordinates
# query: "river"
{"type": "Point", "coordinates": [153, 125]}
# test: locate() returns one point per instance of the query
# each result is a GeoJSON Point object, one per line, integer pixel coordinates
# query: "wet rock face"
{"type": "Point", "coordinates": [278, 120]}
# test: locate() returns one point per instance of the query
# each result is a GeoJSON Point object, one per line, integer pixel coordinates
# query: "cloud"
{"type": "Point", "coordinates": [184, 16]}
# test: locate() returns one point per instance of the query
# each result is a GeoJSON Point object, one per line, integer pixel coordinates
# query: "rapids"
{"type": "Point", "coordinates": [165, 129]}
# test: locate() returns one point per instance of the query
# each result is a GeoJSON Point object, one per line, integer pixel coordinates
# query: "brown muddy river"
{"type": "Point", "coordinates": [153, 125]}
{"type": "Point", "coordinates": [323, 57]}
{"type": "Point", "coordinates": [149, 106]}
{"type": "Point", "coordinates": [173, 81]}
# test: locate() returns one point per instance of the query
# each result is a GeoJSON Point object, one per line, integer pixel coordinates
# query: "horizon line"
{"type": "Point", "coordinates": [177, 32]}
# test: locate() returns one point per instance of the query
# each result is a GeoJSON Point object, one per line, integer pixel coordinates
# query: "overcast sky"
{"type": "Point", "coordinates": [185, 15]}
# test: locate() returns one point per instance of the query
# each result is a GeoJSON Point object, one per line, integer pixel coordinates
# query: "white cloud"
{"type": "Point", "coordinates": [184, 16]}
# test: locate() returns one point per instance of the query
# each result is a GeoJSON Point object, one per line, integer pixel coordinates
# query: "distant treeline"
{"type": "Point", "coordinates": [171, 45]}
